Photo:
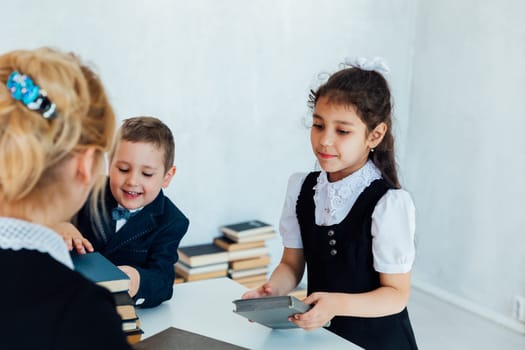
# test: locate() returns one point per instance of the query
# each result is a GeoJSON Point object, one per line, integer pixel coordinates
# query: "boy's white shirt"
{"type": "Point", "coordinates": [122, 222]}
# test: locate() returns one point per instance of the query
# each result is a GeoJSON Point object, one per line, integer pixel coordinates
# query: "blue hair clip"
{"type": "Point", "coordinates": [31, 95]}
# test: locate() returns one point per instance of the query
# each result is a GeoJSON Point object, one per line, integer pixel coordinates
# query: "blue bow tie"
{"type": "Point", "coordinates": [119, 213]}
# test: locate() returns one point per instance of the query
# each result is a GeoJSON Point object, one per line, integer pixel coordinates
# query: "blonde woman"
{"type": "Point", "coordinates": [55, 125]}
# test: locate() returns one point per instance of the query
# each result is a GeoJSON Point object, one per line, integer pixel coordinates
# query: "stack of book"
{"type": "Point", "coordinates": [248, 254]}
{"type": "Point", "coordinates": [100, 270]}
{"type": "Point", "coordinates": [202, 261]}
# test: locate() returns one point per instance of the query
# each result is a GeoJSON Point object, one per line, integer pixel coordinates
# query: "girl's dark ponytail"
{"type": "Point", "coordinates": [384, 159]}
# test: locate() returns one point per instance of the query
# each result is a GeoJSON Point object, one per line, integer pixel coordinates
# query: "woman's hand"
{"type": "Point", "coordinates": [134, 278]}
{"type": "Point", "coordinates": [73, 237]}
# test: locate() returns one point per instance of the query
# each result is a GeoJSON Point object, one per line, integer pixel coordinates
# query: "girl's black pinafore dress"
{"type": "Point", "coordinates": [339, 259]}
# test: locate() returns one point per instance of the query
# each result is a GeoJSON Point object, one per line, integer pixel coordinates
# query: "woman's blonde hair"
{"type": "Point", "coordinates": [32, 148]}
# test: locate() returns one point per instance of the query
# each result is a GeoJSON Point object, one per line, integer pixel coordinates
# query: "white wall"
{"type": "Point", "coordinates": [231, 78]}
{"type": "Point", "coordinates": [465, 160]}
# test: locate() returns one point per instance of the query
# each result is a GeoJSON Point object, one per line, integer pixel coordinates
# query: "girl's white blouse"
{"type": "Point", "coordinates": [393, 219]}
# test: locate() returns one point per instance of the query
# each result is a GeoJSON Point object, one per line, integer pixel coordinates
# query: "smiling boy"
{"type": "Point", "coordinates": [135, 225]}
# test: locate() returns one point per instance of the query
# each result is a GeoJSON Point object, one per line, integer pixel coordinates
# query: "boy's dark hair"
{"type": "Point", "coordinates": [369, 93]}
{"type": "Point", "coordinates": [149, 130]}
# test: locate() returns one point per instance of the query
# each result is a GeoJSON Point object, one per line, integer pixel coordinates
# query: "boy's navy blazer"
{"type": "Point", "coordinates": [148, 242]}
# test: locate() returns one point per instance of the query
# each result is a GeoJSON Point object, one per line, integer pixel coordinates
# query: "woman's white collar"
{"type": "Point", "coordinates": [18, 234]}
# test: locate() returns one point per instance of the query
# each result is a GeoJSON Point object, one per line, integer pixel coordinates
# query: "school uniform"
{"type": "Point", "coordinates": [45, 304]}
{"type": "Point", "coordinates": [148, 241]}
{"type": "Point", "coordinates": [350, 231]}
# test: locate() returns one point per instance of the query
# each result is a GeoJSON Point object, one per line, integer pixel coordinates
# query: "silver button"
{"type": "Point", "coordinates": [330, 233]}
{"type": "Point", "coordinates": [333, 252]}
{"type": "Point", "coordinates": [332, 242]}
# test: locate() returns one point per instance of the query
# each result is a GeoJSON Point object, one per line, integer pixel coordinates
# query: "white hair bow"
{"type": "Point", "coordinates": [377, 64]}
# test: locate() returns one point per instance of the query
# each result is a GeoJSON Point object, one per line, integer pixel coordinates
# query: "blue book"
{"type": "Point", "coordinates": [96, 268]}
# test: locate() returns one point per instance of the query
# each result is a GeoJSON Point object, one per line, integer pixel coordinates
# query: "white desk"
{"type": "Point", "coordinates": [205, 307]}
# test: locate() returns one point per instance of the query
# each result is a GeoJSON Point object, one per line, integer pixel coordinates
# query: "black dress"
{"type": "Point", "coordinates": [46, 305]}
{"type": "Point", "coordinates": [339, 259]}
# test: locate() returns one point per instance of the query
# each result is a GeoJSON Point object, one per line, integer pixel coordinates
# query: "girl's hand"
{"type": "Point", "coordinates": [73, 237]}
{"type": "Point", "coordinates": [324, 309]}
{"type": "Point", "coordinates": [134, 278]}
{"type": "Point", "coordinates": [263, 291]}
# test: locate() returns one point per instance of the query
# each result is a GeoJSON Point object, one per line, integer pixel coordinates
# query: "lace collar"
{"type": "Point", "coordinates": [332, 197]}
{"type": "Point", "coordinates": [18, 234]}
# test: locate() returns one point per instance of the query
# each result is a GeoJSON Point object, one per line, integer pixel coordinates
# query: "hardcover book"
{"type": "Point", "coordinates": [134, 336]}
{"type": "Point", "coordinates": [245, 228]}
{"type": "Point", "coordinates": [202, 254]}
{"type": "Point", "coordinates": [248, 272]}
{"type": "Point", "coordinates": [247, 253]}
{"type": "Point", "coordinates": [184, 270]}
{"type": "Point", "coordinates": [122, 298]}
{"type": "Point", "coordinates": [125, 305]}
{"type": "Point", "coordinates": [174, 338]}
{"type": "Point", "coordinates": [231, 245]}
{"type": "Point", "coordinates": [271, 312]}
{"type": "Point", "coordinates": [127, 312]}
{"type": "Point", "coordinates": [95, 267]}
{"type": "Point", "coordinates": [207, 275]}
{"type": "Point", "coordinates": [250, 238]}
{"type": "Point", "coordinates": [259, 261]}
{"type": "Point", "coordinates": [130, 325]}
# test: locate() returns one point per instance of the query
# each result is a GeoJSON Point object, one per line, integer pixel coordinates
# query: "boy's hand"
{"type": "Point", "coordinates": [73, 237]}
{"type": "Point", "coordinates": [324, 309]}
{"type": "Point", "coordinates": [134, 277]}
{"type": "Point", "coordinates": [263, 291]}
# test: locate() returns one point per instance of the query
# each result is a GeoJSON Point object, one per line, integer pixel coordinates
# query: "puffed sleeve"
{"type": "Point", "coordinates": [288, 225]}
{"type": "Point", "coordinates": [393, 229]}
